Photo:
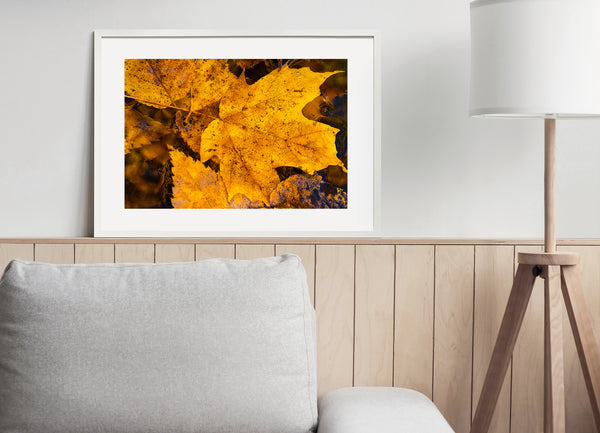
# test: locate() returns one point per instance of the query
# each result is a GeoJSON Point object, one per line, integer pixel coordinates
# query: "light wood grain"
{"type": "Point", "coordinates": [374, 316]}
{"type": "Point", "coordinates": [307, 255]}
{"type": "Point", "coordinates": [14, 251]}
{"type": "Point", "coordinates": [554, 381]}
{"type": "Point", "coordinates": [134, 253]}
{"type": "Point", "coordinates": [55, 253]}
{"type": "Point", "coordinates": [549, 185]}
{"type": "Point", "coordinates": [556, 258]}
{"type": "Point", "coordinates": [249, 252]}
{"type": "Point", "coordinates": [494, 266]}
{"type": "Point", "coordinates": [578, 410]}
{"type": "Point", "coordinates": [166, 253]}
{"type": "Point", "coordinates": [94, 253]}
{"type": "Point", "coordinates": [215, 251]}
{"type": "Point", "coordinates": [334, 302]}
{"type": "Point", "coordinates": [512, 319]}
{"type": "Point", "coordinates": [413, 345]}
{"type": "Point", "coordinates": [527, 403]}
{"type": "Point", "coordinates": [583, 333]}
{"type": "Point", "coordinates": [454, 334]}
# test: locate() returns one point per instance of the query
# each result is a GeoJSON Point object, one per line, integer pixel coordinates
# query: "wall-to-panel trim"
{"type": "Point", "coordinates": [298, 241]}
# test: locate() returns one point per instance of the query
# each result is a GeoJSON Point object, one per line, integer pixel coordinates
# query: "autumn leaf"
{"type": "Point", "coordinates": [195, 185]}
{"type": "Point", "coordinates": [261, 127]}
{"type": "Point", "coordinates": [247, 63]}
{"type": "Point", "coordinates": [303, 191]}
{"type": "Point", "coordinates": [192, 125]}
{"type": "Point", "coordinates": [141, 130]}
{"type": "Point", "coordinates": [190, 84]}
{"type": "Point", "coordinates": [147, 177]}
{"type": "Point", "coordinates": [222, 142]}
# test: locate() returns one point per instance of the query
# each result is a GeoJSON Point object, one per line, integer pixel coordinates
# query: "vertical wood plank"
{"type": "Point", "coordinates": [215, 251]}
{"type": "Point", "coordinates": [307, 255]}
{"type": "Point", "coordinates": [94, 253]}
{"type": "Point", "coordinates": [413, 346]}
{"type": "Point", "coordinates": [134, 253]}
{"type": "Point", "coordinates": [579, 416]}
{"type": "Point", "coordinates": [454, 334]}
{"type": "Point", "coordinates": [374, 316]}
{"type": "Point", "coordinates": [527, 402]}
{"type": "Point", "coordinates": [493, 281]}
{"type": "Point", "coordinates": [55, 253]}
{"type": "Point", "coordinates": [554, 368]}
{"type": "Point", "coordinates": [334, 302]}
{"type": "Point", "coordinates": [516, 308]}
{"type": "Point", "coordinates": [253, 251]}
{"type": "Point", "coordinates": [14, 251]}
{"type": "Point", "coordinates": [165, 253]}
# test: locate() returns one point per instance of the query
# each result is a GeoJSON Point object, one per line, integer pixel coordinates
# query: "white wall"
{"type": "Point", "coordinates": [444, 175]}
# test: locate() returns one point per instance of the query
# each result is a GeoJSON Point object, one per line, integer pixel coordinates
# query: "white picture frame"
{"type": "Point", "coordinates": [361, 217]}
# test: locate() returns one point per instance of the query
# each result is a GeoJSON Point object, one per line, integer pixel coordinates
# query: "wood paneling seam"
{"type": "Point", "coordinates": [394, 324]}
{"type": "Point", "coordinates": [473, 329]}
{"type": "Point", "coordinates": [510, 392]}
{"type": "Point", "coordinates": [433, 308]}
{"type": "Point", "coordinates": [315, 280]}
{"type": "Point", "coordinates": [354, 322]}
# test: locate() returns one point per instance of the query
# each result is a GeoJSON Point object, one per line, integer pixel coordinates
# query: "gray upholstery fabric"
{"type": "Point", "coordinates": [379, 410]}
{"type": "Point", "coordinates": [212, 346]}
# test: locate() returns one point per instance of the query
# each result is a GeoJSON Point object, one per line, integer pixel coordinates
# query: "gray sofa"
{"type": "Point", "coordinates": [212, 346]}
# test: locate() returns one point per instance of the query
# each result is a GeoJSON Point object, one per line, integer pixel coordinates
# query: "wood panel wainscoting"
{"type": "Point", "coordinates": [421, 314]}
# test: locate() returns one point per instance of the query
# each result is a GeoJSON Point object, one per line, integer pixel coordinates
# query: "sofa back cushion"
{"type": "Point", "coordinates": [212, 346]}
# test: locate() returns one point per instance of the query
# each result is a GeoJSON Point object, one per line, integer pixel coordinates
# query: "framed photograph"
{"type": "Point", "coordinates": [226, 135]}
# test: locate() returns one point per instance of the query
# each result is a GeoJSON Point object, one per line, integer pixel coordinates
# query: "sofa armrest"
{"type": "Point", "coordinates": [379, 410]}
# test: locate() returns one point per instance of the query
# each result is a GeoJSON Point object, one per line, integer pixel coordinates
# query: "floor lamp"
{"type": "Point", "coordinates": [539, 59]}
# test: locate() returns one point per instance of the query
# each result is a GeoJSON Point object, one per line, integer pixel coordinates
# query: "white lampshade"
{"type": "Point", "coordinates": [535, 58]}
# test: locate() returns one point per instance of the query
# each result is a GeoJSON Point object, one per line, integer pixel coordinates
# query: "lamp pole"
{"type": "Point", "coordinates": [549, 185]}
{"type": "Point", "coordinates": [554, 388]}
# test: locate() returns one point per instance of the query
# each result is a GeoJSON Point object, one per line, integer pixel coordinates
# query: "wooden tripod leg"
{"type": "Point", "coordinates": [505, 343]}
{"type": "Point", "coordinates": [581, 325]}
{"type": "Point", "coordinates": [554, 376]}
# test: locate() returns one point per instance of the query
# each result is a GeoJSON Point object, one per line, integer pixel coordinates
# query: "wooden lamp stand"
{"type": "Point", "coordinates": [559, 271]}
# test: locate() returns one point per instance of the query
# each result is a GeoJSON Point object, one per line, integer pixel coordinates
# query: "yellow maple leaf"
{"type": "Point", "coordinates": [191, 125]}
{"type": "Point", "coordinates": [195, 186]}
{"type": "Point", "coordinates": [261, 127]}
{"type": "Point", "coordinates": [190, 84]}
